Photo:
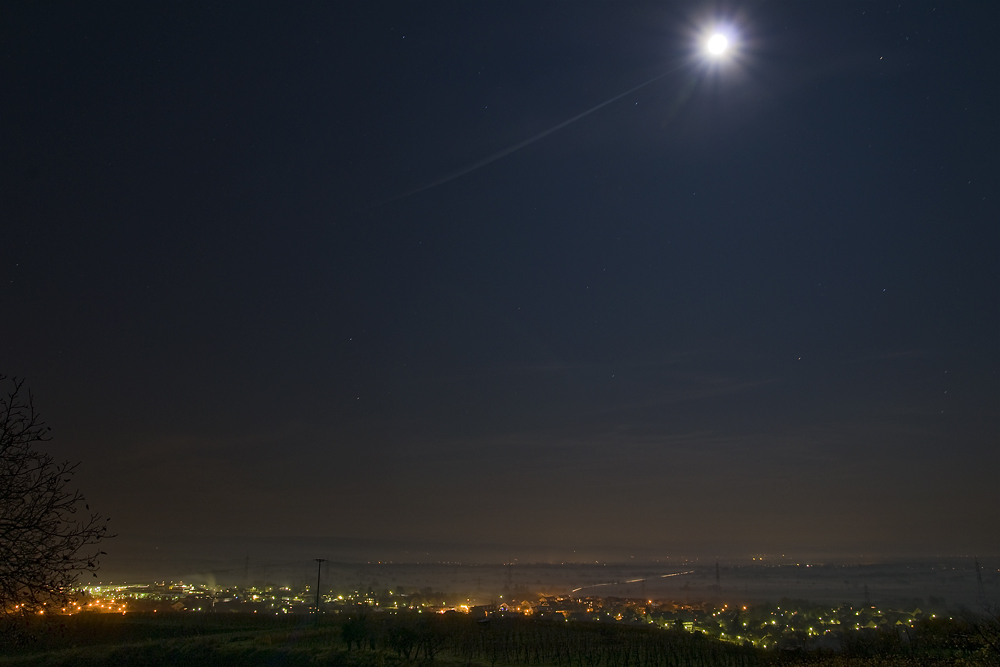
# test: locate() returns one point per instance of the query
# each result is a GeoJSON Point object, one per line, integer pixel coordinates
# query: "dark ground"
{"type": "Point", "coordinates": [216, 639]}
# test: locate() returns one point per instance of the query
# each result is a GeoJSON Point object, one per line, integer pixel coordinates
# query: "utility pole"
{"type": "Point", "coordinates": [981, 592]}
{"type": "Point", "coordinates": [319, 572]}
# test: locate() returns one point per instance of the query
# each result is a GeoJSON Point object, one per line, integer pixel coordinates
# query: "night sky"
{"type": "Point", "coordinates": [753, 306]}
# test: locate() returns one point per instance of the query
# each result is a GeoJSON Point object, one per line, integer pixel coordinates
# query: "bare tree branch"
{"type": "Point", "coordinates": [46, 541]}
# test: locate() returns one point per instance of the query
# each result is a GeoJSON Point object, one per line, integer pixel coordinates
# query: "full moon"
{"type": "Point", "coordinates": [717, 44]}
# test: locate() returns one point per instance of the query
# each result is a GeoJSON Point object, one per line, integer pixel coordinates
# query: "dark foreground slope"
{"type": "Point", "coordinates": [451, 641]}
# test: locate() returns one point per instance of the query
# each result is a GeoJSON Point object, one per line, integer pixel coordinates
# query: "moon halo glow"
{"type": "Point", "coordinates": [717, 44]}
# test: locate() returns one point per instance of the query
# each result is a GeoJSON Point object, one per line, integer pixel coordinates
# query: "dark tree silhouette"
{"type": "Point", "coordinates": [48, 535]}
{"type": "Point", "coordinates": [986, 627]}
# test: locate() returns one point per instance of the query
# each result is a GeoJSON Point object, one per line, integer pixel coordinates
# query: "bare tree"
{"type": "Point", "coordinates": [986, 627]}
{"type": "Point", "coordinates": [48, 535]}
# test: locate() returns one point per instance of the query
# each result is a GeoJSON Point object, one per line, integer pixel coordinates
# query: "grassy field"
{"type": "Point", "coordinates": [178, 639]}
{"type": "Point", "coordinates": [245, 640]}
